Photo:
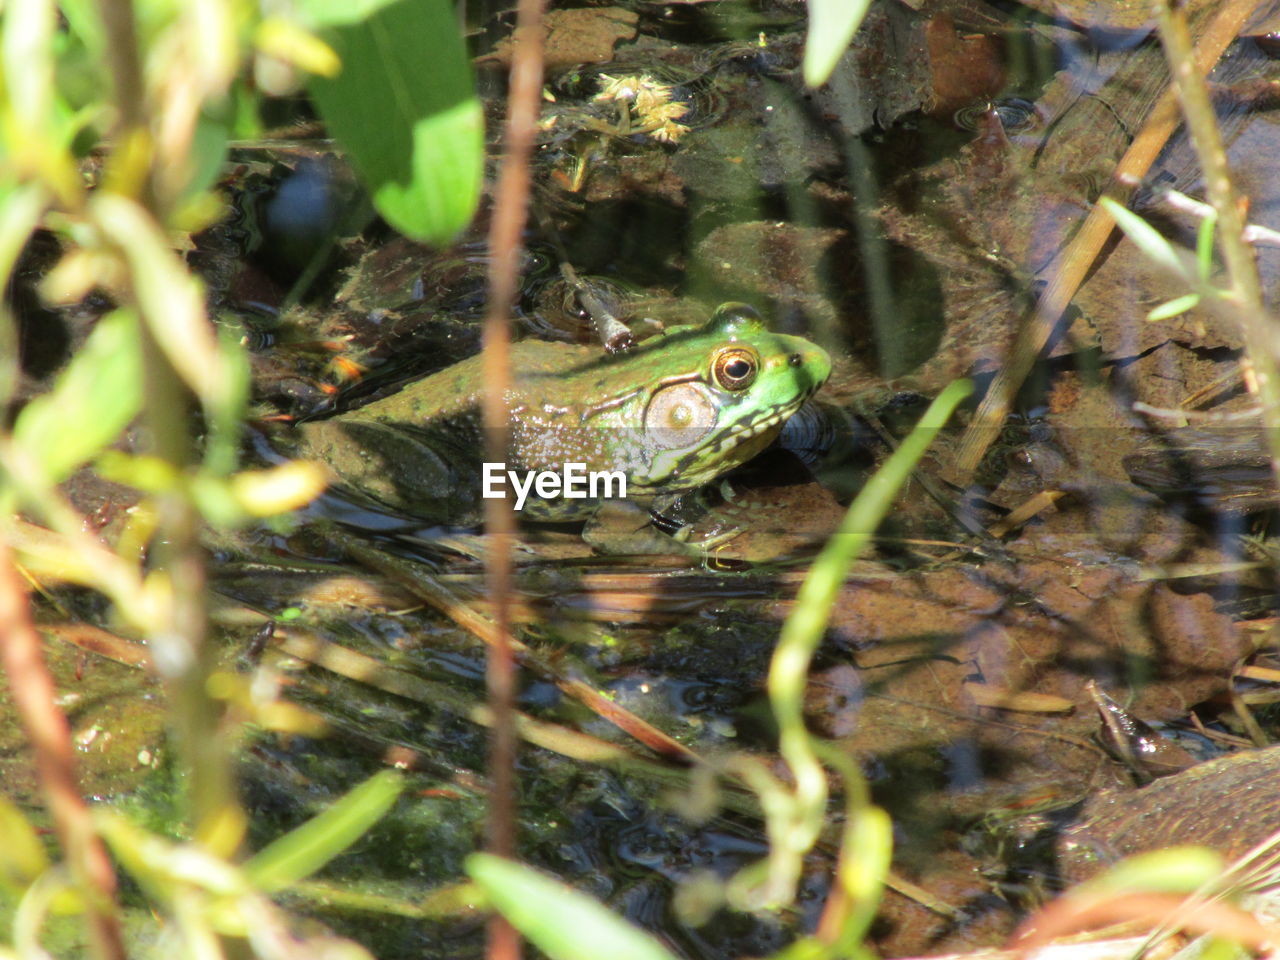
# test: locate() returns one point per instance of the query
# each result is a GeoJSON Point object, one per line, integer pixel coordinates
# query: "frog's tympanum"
{"type": "Point", "coordinates": [676, 412]}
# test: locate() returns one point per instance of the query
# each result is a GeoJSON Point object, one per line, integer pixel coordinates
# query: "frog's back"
{"type": "Point", "coordinates": [538, 368]}
{"type": "Point", "coordinates": [421, 449]}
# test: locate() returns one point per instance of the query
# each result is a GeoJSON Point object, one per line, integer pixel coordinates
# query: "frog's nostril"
{"type": "Point", "coordinates": [795, 360]}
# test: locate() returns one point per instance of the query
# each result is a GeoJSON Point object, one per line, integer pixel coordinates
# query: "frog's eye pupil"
{"type": "Point", "coordinates": [737, 369]}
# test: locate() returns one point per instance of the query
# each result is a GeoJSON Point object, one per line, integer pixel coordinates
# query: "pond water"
{"type": "Point", "coordinates": [904, 217]}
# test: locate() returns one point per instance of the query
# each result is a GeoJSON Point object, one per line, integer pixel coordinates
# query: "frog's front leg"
{"type": "Point", "coordinates": [626, 527]}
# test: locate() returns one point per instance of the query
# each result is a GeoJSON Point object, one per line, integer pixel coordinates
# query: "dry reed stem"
{"type": "Point", "coordinates": [510, 213]}
{"type": "Point", "coordinates": [1084, 248]}
{"type": "Point", "coordinates": [34, 696]}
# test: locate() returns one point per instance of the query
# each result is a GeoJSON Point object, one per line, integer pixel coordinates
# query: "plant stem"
{"type": "Point", "coordinates": [179, 652]}
{"type": "Point", "coordinates": [34, 695]}
{"type": "Point", "coordinates": [510, 213]}
{"type": "Point", "coordinates": [177, 636]}
{"type": "Point", "coordinates": [1257, 328]}
{"type": "Point", "coordinates": [1083, 250]}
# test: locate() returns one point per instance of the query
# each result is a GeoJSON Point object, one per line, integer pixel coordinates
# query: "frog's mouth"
{"type": "Point", "coordinates": [740, 433]}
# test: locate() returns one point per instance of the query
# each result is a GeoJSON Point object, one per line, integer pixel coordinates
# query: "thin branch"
{"type": "Point", "coordinates": [510, 213]}
{"type": "Point", "coordinates": [34, 695]}
{"type": "Point", "coordinates": [177, 634]}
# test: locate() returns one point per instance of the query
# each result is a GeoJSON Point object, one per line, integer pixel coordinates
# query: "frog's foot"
{"type": "Point", "coordinates": [713, 542]}
{"type": "Point", "coordinates": [624, 527]}
{"type": "Point", "coordinates": [680, 515]}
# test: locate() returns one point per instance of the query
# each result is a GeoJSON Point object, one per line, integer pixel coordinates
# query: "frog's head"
{"type": "Point", "coordinates": [729, 403]}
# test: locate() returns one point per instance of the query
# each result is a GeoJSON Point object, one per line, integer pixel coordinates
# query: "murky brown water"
{"type": "Point", "coordinates": [904, 217]}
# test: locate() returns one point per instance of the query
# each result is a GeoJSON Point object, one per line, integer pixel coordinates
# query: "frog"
{"type": "Point", "coordinates": [675, 412]}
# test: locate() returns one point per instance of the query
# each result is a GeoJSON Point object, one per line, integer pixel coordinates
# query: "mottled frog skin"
{"type": "Point", "coordinates": [675, 412]}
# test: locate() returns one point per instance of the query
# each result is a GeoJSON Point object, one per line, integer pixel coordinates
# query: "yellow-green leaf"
{"type": "Point", "coordinates": [92, 401]}
{"type": "Point", "coordinates": [306, 849]}
{"type": "Point", "coordinates": [559, 921]}
{"type": "Point", "coordinates": [405, 110]}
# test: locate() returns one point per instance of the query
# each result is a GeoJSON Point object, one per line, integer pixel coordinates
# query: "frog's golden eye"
{"type": "Point", "coordinates": [734, 368]}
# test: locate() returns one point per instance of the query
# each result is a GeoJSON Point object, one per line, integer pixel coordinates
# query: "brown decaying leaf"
{"type": "Point", "coordinates": [922, 642]}
{"type": "Point", "coordinates": [576, 36]}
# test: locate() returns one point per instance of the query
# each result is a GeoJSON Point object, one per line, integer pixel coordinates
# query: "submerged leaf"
{"type": "Point", "coordinates": [405, 109]}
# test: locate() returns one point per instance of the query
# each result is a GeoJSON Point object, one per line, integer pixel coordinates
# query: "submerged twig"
{"type": "Point", "coordinates": [612, 333]}
{"type": "Point", "coordinates": [439, 597]}
{"type": "Point", "coordinates": [1084, 248]}
{"type": "Point", "coordinates": [1253, 233]}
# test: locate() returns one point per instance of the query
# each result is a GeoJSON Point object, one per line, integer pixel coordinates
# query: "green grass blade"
{"type": "Point", "coordinates": [1144, 236]}
{"type": "Point", "coordinates": [832, 24]}
{"type": "Point", "coordinates": [303, 851]}
{"type": "Point", "coordinates": [559, 921]}
{"type": "Point", "coordinates": [801, 634]}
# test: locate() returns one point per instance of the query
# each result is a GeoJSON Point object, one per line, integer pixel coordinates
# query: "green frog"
{"type": "Point", "coordinates": [675, 412]}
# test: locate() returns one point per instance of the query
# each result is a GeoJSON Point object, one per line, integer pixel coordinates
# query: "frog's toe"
{"type": "Point", "coordinates": [714, 541]}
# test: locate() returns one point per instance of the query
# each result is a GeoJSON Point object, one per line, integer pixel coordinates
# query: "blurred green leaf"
{"type": "Point", "coordinates": [160, 866]}
{"type": "Point", "coordinates": [303, 851]}
{"type": "Point", "coordinates": [1171, 870]}
{"type": "Point", "coordinates": [559, 921]}
{"type": "Point", "coordinates": [334, 13]}
{"type": "Point", "coordinates": [208, 154]}
{"type": "Point", "coordinates": [832, 24]}
{"type": "Point", "coordinates": [1145, 237]}
{"type": "Point", "coordinates": [290, 42]}
{"type": "Point", "coordinates": [85, 22]}
{"type": "Point", "coordinates": [171, 299]}
{"type": "Point", "coordinates": [22, 856]}
{"type": "Point", "coordinates": [1174, 307]}
{"type": "Point", "coordinates": [405, 110]}
{"type": "Point", "coordinates": [93, 400]}
{"type": "Point", "coordinates": [1204, 244]}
